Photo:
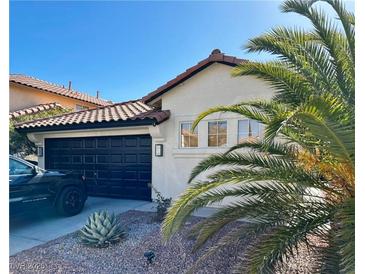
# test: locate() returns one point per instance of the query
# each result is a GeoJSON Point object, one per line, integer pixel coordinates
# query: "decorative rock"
{"type": "Point", "coordinates": [174, 256]}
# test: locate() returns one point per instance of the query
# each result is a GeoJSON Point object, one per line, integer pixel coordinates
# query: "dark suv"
{"type": "Point", "coordinates": [30, 186]}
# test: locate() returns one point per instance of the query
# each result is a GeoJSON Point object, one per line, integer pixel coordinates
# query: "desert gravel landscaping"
{"type": "Point", "coordinates": [67, 255]}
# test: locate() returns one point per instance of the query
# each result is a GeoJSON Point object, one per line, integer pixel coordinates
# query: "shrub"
{"type": "Point", "coordinates": [162, 205]}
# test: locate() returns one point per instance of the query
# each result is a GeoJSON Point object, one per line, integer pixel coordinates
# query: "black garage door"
{"type": "Point", "coordinates": [118, 166]}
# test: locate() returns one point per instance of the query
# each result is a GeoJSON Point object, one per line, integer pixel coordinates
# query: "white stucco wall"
{"type": "Point", "coordinates": [210, 87]}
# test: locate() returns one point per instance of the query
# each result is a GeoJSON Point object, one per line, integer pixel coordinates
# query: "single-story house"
{"type": "Point", "coordinates": [122, 148]}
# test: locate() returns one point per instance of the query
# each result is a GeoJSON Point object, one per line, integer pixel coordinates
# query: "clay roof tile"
{"type": "Point", "coordinates": [54, 88]}
{"type": "Point", "coordinates": [131, 110]}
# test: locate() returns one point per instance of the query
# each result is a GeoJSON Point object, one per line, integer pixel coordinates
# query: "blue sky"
{"type": "Point", "coordinates": [127, 49]}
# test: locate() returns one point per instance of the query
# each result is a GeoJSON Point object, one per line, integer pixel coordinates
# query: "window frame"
{"type": "Point", "coordinates": [180, 135]}
{"type": "Point", "coordinates": [260, 129]}
{"type": "Point", "coordinates": [217, 134]}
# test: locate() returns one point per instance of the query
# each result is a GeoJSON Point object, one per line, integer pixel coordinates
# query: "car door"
{"type": "Point", "coordinates": [20, 182]}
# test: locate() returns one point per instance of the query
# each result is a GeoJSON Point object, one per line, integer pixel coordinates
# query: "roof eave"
{"type": "Point", "coordinates": [138, 121]}
{"type": "Point", "coordinates": [105, 124]}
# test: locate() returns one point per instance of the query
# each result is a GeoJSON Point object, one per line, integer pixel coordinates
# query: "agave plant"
{"type": "Point", "coordinates": [101, 230]}
{"type": "Point", "coordinates": [298, 181]}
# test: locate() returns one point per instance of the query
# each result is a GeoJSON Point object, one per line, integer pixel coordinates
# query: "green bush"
{"type": "Point", "coordinates": [163, 205]}
{"type": "Point", "coordinates": [19, 142]}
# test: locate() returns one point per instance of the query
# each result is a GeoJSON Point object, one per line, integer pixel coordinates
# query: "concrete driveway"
{"type": "Point", "coordinates": [35, 228]}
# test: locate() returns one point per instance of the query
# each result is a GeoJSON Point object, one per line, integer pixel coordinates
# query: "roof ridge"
{"type": "Point", "coordinates": [50, 83]}
{"type": "Point", "coordinates": [74, 91]}
{"type": "Point", "coordinates": [215, 56]}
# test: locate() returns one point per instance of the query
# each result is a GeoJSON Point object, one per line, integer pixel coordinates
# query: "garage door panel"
{"type": "Point", "coordinates": [116, 175]}
{"type": "Point", "coordinates": [145, 142]}
{"type": "Point", "coordinates": [102, 159]}
{"type": "Point", "coordinates": [77, 144]}
{"type": "Point", "coordinates": [89, 159]}
{"type": "Point", "coordinates": [102, 174]}
{"type": "Point", "coordinates": [130, 142]}
{"type": "Point", "coordinates": [90, 143]}
{"type": "Point", "coordinates": [116, 159]}
{"type": "Point", "coordinates": [116, 142]}
{"type": "Point", "coordinates": [89, 174]}
{"type": "Point", "coordinates": [144, 158]}
{"type": "Point", "coordinates": [118, 166]}
{"type": "Point", "coordinates": [77, 159]}
{"type": "Point", "coordinates": [130, 175]}
{"type": "Point", "coordinates": [144, 175]}
{"type": "Point", "coordinates": [98, 151]}
{"type": "Point", "coordinates": [130, 158]}
{"type": "Point", "coordinates": [102, 190]}
{"type": "Point", "coordinates": [102, 142]}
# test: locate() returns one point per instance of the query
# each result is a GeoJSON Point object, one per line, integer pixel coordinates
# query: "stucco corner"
{"type": "Point", "coordinates": [156, 133]}
{"type": "Point", "coordinates": [35, 138]}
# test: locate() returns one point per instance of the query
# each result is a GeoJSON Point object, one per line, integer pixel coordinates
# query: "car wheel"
{"type": "Point", "coordinates": [71, 201]}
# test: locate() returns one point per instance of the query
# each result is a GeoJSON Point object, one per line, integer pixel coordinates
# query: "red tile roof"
{"type": "Point", "coordinates": [33, 109]}
{"type": "Point", "coordinates": [132, 110]}
{"type": "Point", "coordinates": [56, 89]}
{"type": "Point", "coordinates": [126, 111]}
{"type": "Point", "coordinates": [215, 57]}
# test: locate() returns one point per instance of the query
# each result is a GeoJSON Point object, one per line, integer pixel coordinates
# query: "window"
{"type": "Point", "coordinates": [79, 107]}
{"type": "Point", "coordinates": [18, 168]}
{"type": "Point", "coordinates": [249, 130]}
{"type": "Point", "coordinates": [187, 137]}
{"type": "Point", "coordinates": [217, 133]}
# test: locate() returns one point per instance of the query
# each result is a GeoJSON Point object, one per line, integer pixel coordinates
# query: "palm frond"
{"type": "Point", "coordinates": [345, 235]}
{"type": "Point", "coordinates": [340, 140]}
{"type": "Point", "coordinates": [277, 148]}
{"type": "Point", "coordinates": [296, 50]}
{"type": "Point", "coordinates": [250, 160]}
{"type": "Point", "coordinates": [229, 239]}
{"type": "Point", "coordinates": [336, 45]}
{"type": "Point", "coordinates": [279, 243]}
{"type": "Point", "coordinates": [290, 87]}
{"type": "Point", "coordinates": [347, 20]}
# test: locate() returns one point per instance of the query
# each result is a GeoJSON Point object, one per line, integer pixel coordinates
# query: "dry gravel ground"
{"type": "Point", "coordinates": [67, 255]}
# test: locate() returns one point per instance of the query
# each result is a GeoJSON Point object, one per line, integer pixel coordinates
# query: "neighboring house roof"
{"type": "Point", "coordinates": [215, 57]}
{"type": "Point", "coordinates": [56, 89]}
{"type": "Point", "coordinates": [126, 113]}
{"type": "Point", "coordinates": [34, 110]}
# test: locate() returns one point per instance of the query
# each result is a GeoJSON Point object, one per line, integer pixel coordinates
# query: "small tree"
{"type": "Point", "coordinates": [19, 142]}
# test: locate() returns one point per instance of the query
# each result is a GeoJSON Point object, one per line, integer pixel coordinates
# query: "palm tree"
{"type": "Point", "coordinates": [298, 181]}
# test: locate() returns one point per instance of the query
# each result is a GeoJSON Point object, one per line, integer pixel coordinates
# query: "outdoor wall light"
{"type": "Point", "coordinates": [40, 151]}
{"type": "Point", "coordinates": [158, 150]}
{"type": "Point", "coordinates": [150, 255]}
